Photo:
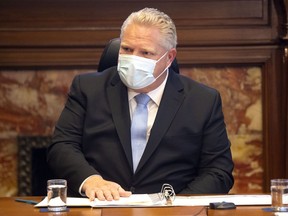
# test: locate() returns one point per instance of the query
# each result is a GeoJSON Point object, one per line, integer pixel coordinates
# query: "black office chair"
{"type": "Point", "coordinates": [109, 57]}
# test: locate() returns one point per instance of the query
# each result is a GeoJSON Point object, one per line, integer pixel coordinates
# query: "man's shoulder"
{"type": "Point", "coordinates": [196, 86]}
{"type": "Point", "coordinates": [94, 81]}
{"type": "Point", "coordinates": [110, 72]}
{"type": "Point", "coordinates": [95, 78]}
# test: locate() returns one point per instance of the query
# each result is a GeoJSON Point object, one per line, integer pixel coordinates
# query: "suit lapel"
{"type": "Point", "coordinates": [171, 101]}
{"type": "Point", "coordinates": [118, 99]}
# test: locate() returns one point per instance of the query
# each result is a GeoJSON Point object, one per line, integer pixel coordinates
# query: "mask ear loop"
{"type": "Point", "coordinates": [161, 57]}
{"type": "Point", "coordinates": [162, 72]}
{"type": "Point", "coordinates": [165, 68]}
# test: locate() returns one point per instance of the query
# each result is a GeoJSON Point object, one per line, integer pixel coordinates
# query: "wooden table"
{"type": "Point", "coordinates": [9, 207]}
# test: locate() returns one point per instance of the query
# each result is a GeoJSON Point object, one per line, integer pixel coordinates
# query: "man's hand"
{"type": "Point", "coordinates": [97, 187]}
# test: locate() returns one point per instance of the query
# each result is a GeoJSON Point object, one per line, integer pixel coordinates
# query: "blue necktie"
{"type": "Point", "coordinates": [139, 128]}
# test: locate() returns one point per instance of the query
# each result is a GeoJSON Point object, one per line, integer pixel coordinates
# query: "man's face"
{"type": "Point", "coordinates": [145, 41]}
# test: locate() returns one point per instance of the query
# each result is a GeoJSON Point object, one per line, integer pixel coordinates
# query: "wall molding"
{"type": "Point", "coordinates": [74, 33]}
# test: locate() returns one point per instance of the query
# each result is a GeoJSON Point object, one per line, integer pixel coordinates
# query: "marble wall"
{"type": "Point", "coordinates": [31, 101]}
{"type": "Point", "coordinates": [240, 90]}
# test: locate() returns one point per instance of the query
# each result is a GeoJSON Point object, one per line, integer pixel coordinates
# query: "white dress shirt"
{"type": "Point", "coordinates": [153, 104]}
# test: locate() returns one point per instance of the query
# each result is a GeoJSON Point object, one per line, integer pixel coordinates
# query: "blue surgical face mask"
{"type": "Point", "coordinates": [137, 72]}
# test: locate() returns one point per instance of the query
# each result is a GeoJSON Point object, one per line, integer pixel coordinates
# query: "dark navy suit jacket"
{"type": "Point", "coordinates": [188, 145]}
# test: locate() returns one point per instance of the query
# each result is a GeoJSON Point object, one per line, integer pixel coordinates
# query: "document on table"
{"type": "Point", "coordinates": [135, 200]}
{"type": "Point", "coordinates": [153, 200]}
{"type": "Point", "coordinates": [236, 199]}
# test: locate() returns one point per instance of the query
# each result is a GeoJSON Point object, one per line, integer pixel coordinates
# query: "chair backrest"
{"type": "Point", "coordinates": [109, 57]}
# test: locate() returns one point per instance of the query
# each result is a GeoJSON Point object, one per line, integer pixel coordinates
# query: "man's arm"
{"type": "Point", "coordinates": [65, 156]}
{"type": "Point", "coordinates": [216, 165]}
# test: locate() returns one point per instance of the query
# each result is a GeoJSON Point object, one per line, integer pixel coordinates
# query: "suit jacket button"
{"type": "Point", "coordinates": [132, 189]}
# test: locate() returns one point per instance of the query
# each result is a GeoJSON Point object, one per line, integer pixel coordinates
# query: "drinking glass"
{"type": "Point", "coordinates": [57, 194]}
{"type": "Point", "coordinates": [279, 194]}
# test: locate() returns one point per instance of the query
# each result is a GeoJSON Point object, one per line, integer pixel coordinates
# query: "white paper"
{"type": "Point", "coordinates": [133, 200]}
{"type": "Point", "coordinates": [140, 200]}
{"type": "Point", "coordinates": [236, 199]}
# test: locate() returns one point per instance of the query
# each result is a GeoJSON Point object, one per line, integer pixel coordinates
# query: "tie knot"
{"type": "Point", "coordinates": [142, 99]}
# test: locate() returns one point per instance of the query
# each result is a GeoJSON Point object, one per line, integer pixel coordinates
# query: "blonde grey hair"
{"type": "Point", "coordinates": [155, 18]}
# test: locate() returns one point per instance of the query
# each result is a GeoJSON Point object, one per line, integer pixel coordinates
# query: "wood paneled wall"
{"type": "Point", "coordinates": [72, 34]}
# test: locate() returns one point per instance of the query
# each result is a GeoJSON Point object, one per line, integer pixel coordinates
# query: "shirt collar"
{"type": "Point", "coordinates": [155, 95]}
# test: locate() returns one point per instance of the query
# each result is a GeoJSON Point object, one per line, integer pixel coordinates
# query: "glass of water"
{"type": "Point", "coordinates": [57, 194]}
{"type": "Point", "coordinates": [279, 194]}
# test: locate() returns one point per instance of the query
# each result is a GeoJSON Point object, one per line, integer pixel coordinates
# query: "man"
{"type": "Point", "coordinates": [186, 143]}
